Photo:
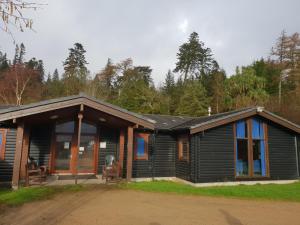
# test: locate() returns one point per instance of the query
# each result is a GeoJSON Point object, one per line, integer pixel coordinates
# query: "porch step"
{"type": "Point", "coordinates": [79, 177]}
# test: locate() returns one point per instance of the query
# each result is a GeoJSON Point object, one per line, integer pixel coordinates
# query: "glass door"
{"type": "Point", "coordinates": [63, 152]}
{"type": "Point", "coordinates": [86, 154]}
{"type": "Point", "coordinates": [86, 151]}
{"type": "Point", "coordinates": [68, 156]}
{"type": "Point", "coordinates": [64, 133]}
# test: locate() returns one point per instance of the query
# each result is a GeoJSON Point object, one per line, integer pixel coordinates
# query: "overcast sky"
{"type": "Point", "coordinates": [150, 32]}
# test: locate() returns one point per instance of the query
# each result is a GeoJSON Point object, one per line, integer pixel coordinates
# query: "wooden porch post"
{"type": "Point", "coordinates": [75, 153]}
{"type": "Point", "coordinates": [25, 150]}
{"type": "Point", "coordinates": [18, 156]}
{"type": "Point", "coordinates": [121, 150]}
{"type": "Point", "coordinates": [129, 152]}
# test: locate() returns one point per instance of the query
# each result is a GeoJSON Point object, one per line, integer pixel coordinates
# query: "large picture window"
{"type": "Point", "coordinates": [250, 147]}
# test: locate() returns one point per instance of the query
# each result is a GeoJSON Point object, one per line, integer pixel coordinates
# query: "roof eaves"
{"type": "Point", "coordinates": [250, 110]}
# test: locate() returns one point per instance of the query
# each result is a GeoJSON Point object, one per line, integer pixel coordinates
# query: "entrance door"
{"type": "Point", "coordinates": [63, 152]}
{"type": "Point", "coordinates": [86, 153]}
{"type": "Point", "coordinates": [67, 151]}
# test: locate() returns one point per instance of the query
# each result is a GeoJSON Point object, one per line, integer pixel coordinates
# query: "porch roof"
{"type": "Point", "coordinates": [14, 112]}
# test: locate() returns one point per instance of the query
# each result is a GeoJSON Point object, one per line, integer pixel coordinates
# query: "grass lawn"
{"type": "Point", "coordinates": [284, 192]}
{"type": "Point", "coordinates": [28, 194]}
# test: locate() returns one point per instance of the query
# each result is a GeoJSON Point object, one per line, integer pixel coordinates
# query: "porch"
{"type": "Point", "coordinates": [73, 141]}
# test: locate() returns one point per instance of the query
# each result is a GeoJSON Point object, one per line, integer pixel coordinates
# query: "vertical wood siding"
{"type": "Point", "coordinates": [282, 153]}
{"type": "Point", "coordinates": [40, 141]}
{"type": "Point", "coordinates": [111, 137]}
{"type": "Point", "coordinates": [6, 165]}
{"type": "Point", "coordinates": [213, 155]}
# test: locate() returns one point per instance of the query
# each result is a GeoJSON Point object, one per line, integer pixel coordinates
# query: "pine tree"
{"type": "Point", "coordinates": [16, 57]}
{"type": "Point", "coordinates": [193, 59]}
{"type": "Point", "coordinates": [76, 72]}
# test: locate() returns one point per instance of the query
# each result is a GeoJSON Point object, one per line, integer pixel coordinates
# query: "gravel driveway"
{"type": "Point", "coordinates": [126, 207]}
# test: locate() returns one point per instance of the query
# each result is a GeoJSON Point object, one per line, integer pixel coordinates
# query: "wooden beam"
{"type": "Point", "coordinates": [121, 150]}
{"type": "Point", "coordinates": [129, 152]}
{"type": "Point", "coordinates": [25, 151]}
{"type": "Point", "coordinates": [76, 148]}
{"type": "Point", "coordinates": [81, 107]}
{"type": "Point", "coordinates": [18, 156]}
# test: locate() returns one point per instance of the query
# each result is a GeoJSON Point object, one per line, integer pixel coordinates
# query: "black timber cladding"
{"type": "Point", "coordinates": [40, 141]}
{"type": "Point", "coordinates": [161, 158]}
{"type": "Point", "coordinates": [282, 153]}
{"type": "Point", "coordinates": [212, 155]}
{"type": "Point", "coordinates": [6, 165]}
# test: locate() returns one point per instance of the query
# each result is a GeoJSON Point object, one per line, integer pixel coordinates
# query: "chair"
{"type": "Point", "coordinates": [34, 172]}
{"type": "Point", "coordinates": [111, 168]}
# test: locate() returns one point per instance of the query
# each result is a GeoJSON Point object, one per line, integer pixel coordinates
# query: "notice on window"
{"type": "Point", "coordinates": [66, 145]}
{"type": "Point", "coordinates": [102, 144]}
{"type": "Point", "coordinates": [81, 149]}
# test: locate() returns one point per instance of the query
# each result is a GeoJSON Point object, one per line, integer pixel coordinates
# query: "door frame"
{"type": "Point", "coordinates": [74, 150]}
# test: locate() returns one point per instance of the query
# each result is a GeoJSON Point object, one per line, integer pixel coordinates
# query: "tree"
{"type": "Point", "coordinates": [217, 87]}
{"type": "Point", "coordinates": [193, 59]}
{"type": "Point", "coordinates": [17, 84]}
{"type": "Point", "coordinates": [103, 83]}
{"type": "Point", "coordinates": [194, 101]}
{"type": "Point", "coordinates": [245, 89]}
{"type": "Point", "coordinates": [4, 64]}
{"type": "Point", "coordinates": [37, 65]}
{"type": "Point", "coordinates": [12, 15]}
{"type": "Point", "coordinates": [76, 72]}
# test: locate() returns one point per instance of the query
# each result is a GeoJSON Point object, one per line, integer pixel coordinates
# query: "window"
{"type": "Point", "coordinates": [141, 146]}
{"type": "Point", "coordinates": [242, 148]}
{"type": "Point", "coordinates": [250, 148]}
{"type": "Point", "coordinates": [183, 148]}
{"type": "Point", "coordinates": [2, 143]}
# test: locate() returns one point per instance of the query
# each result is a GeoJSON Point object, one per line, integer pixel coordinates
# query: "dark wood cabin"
{"type": "Point", "coordinates": [72, 135]}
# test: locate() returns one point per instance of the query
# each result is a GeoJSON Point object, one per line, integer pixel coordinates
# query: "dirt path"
{"type": "Point", "coordinates": [123, 207]}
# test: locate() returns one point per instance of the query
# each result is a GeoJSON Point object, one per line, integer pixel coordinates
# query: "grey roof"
{"type": "Point", "coordinates": [167, 121]}
{"type": "Point", "coordinates": [161, 122]}
{"type": "Point", "coordinates": [5, 106]}
{"type": "Point", "coordinates": [10, 109]}
{"type": "Point", "coordinates": [186, 122]}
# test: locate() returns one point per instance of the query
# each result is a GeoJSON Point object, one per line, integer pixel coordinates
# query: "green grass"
{"type": "Point", "coordinates": [27, 194]}
{"type": "Point", "coordinates": [283, 192]}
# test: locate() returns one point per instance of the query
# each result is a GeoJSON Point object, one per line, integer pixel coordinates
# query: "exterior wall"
{"type": "Point", "coordinates": [40, 141]}
{"type": "Point", "coordinates": [183, 168]}
{"type": "Point", "coordinates": [282, 153]}
{"type": "Point", "coordinates": [213, 155]}
{"type": "Point", "coordinates": [111, 137]}
{"type": "Point", "coordinates": [6, 165]}
{"type": "Point", "coordinates": [161, 158]}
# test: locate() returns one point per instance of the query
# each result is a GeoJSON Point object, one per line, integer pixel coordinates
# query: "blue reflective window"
{"type": "Point", "coordinates": [140, 147]}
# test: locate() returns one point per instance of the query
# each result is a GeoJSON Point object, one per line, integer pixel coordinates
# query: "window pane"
{"type": "Point", "coordinates": [140, 147]}
{"type": "Point", "coordinates": [259, 165]}
{"type": "Point", "coordinates": [241, 129]}
{"type": "Point", "coordinates": [242, 157]}
{"type": "Point", "coordinates": [257, 129]}
{"type": "Point", "coordinates": [88, 128]}
{"type": "Point", "coordinates": [1, 141]}
{"type": "Point", "coordinates": [67, 127]}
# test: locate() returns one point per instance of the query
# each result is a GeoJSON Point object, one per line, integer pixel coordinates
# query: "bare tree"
{"type": "Point", "coordinates": [17, 82]}
{"type": "Point", "coordinates": [12, 15]}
